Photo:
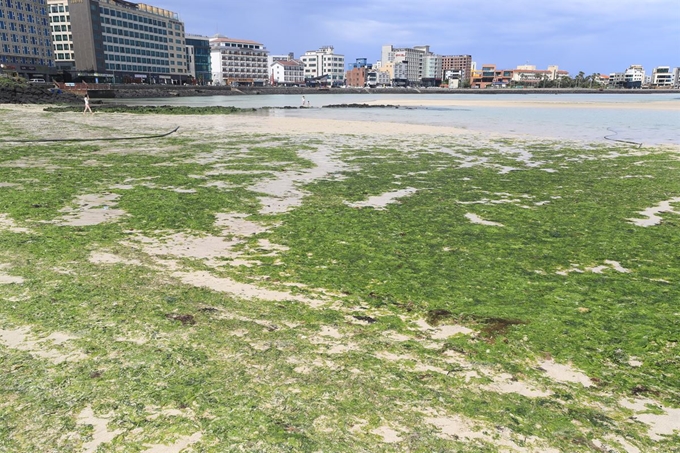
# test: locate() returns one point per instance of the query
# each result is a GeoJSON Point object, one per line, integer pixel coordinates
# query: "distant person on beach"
{"type": "Point", "coordinates": [304, 103]}
{"type": "Point", "coordinates": [87, 105]}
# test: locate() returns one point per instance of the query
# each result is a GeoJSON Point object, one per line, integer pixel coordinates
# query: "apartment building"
{"type": "Point", "coordinates": [662, 76]}
{"type": "Point", "coordinates": [633, 77]}
{"type": "Point", "coordinates": [357, 77]}
{"type": "Point", "coordinates": [238, 62]}
{"type": "Point", "coordinates": [378, 78]}
{"type": "Point", "coordinates": [25, 38]}
{"type": "Point", "coordinates": [528, 75]}
{"type": "Point", "coordinates": [460, 63]}
{"type": "Point", "coordinates": [198, 58]}
{"type": "Point", "coordinates": [490, 76]}
{"type": "Point", "coordinates": [357, 74]}
{"type": "Point", "coordinates": [431, 72]}
{"type": "Point", "coordinates": [287, 72]}
{"type": "Point", "coordinates": [119, 40]}
{"type": "Point", "coordinates": [413, 65]}
{"type": "Point", "coordinates": [62, 38]}
{"type": "Point", "coordinates": [324, 62]}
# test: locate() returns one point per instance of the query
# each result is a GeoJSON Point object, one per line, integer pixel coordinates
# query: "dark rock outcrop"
{"type": "Point", "coordinates": [35, 94]}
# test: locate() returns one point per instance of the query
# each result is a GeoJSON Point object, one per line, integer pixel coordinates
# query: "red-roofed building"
{"type": "Point", "coordinates": [287, 72]}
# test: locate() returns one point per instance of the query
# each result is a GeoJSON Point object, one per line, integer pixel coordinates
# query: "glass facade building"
{"type": "Point", "coordinates": [134, 42]}
{"type": "Point", "coordinates": [198, 58]}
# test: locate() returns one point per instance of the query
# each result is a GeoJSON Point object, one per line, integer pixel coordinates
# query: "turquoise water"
{"type": "Point", "coordinates": [582, 120]}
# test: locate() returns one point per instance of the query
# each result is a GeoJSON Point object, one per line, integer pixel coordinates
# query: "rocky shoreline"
{"type": "Point", "coordinates": [46, 94]}
{"type": "Point", "coordinates": [36, 94]}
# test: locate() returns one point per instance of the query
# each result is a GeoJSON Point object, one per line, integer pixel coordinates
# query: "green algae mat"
{"type": "Point", "coordinates": [210, 292]}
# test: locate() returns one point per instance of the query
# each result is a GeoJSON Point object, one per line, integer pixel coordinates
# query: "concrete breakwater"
{"type": "Point", "coordinates": [161, 91]}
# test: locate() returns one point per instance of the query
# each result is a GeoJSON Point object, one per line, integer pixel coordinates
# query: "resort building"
{"type": "Point", "coordinates": [238, 62]}
{"type": "Point", "coordinates": [528, 75]}
{"type": "Point", "coordinates": [118, 40]}
{"type": "Point", "coordinates": [489, 76]}
{"type": "Point", "coordinates": [662, 77]}
{"type": "Point", "coordinates": [287, 72]}
{"type": "Point", "coordinates": [198, 58]}
{"type": "Point", "coordinates": [324, 63]}
{"type": "Point", "coordinates": [633, 77]}
{"type": "Point", "coordinates": [25, 38]}
{"type": "Point", "coordinates": [461, 63]}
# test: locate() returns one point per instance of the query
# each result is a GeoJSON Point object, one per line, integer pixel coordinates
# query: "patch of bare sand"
{"type": "Point", "coordinates": [92, 209]}
{"type": "Point", "coordinates": [109, 258]}
{"type": "Point", "coordinates": [6, 279]}
{"type": "Point", "coordinates": [101, 433]}
{"type": "Point", "coordinates": [564, 373]}
{"type": "Point", "coordinates": [382, 200]}
{"type": "Point", "coordinates": [241, 290]}
{"type": "Point", "coordinates": [608, 264]}
{"type": "Point", "coordinates": [651, 214]}
{"type": "Point", "coordinates": [8, 224]}
{"type": "Point", "coordinates": [660, 425]}
{"type": "Point", "coordinates": [387, 434]}
{"type": "Point", "coordinates": [236, 224]}
{"type": "Point", "coordinates": [442, 332]}
{"type": "Point", "coordinates": [282, 192]}
{"type": "Point", "coordinates": [176, 447]}
{"type": "Point", "coordinates": [464, 429]}
{"type": "Point", "coordinates": [474, 218]}
{"type": "Point", "coordinates": [22, 339]}
{"type": "Point", "coordinates": [506, 383]}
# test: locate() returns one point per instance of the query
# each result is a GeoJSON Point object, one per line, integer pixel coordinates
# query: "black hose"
{"type": "Point", "coordinates": [606, 137]}
{"type": "Point", "coordinates": [110, 139]}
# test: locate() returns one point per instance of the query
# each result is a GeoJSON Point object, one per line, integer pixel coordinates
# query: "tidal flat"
{"type": "Point", "coordinates": [265, 284]}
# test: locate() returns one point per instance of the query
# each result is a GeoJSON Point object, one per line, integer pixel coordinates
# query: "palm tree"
{"type": "Point", "coordinates": [593, 77]}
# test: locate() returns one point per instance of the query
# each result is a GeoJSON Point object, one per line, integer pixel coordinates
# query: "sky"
{"type": "Point", "coordinates": [593, 36]}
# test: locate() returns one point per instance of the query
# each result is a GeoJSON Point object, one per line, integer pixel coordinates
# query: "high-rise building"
{"type": "Point", "coordinates": [238, 61]}
{"type": "Point", "coordinates": [134, 42]}
{"type": "Point", "coordinates": [25, 38]}
{"type": "Point", "coordinates": [324, 63]}
{"type": "Point", "coordinates": [62, 38]}
{"type": "Point", "coordinates": [417, 65]}
{"type": "Point", "coordinates": [462, 63]}
{"type": "Point", "coordinates": [198, 58]}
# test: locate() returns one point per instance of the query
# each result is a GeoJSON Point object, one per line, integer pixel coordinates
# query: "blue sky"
{"type": "Point", "coordinates": [577, 35]}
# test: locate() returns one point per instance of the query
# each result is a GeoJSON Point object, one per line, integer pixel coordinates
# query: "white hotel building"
{"type": "Point", "coordinates": [324, 62]}
{"type": "Point", "coordinates": [238, 62]}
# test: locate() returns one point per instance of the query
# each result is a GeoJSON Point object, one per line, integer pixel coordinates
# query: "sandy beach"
{"type": "Point", "coordinates": [274, 283]}
{"type": "Point", "coordinates": [548, 102]}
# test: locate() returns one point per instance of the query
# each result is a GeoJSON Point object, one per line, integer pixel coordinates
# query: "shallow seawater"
{"type": "Point", "coordinates": [581, 117]}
